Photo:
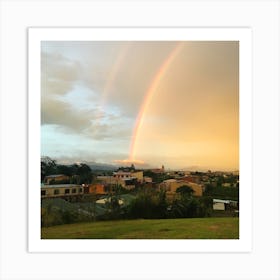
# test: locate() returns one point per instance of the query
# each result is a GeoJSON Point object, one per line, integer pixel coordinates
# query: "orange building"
{"type": "Point", "coordinates": [96, 189]}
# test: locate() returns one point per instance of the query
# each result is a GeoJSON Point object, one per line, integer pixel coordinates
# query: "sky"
{"type": "Point", "coordinates": [151, 103]}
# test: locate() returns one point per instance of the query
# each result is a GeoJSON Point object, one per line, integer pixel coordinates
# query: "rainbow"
{"type": "Point", "coordinates": [112, 76]}
{"type": "Point", "coordinates": [149, 95]}
{"type": "Point", "coordinates": [115, 70]}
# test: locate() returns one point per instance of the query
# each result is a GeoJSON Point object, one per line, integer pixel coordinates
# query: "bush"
{"type": "Point", "coordinates": [231, 193]}
{"type": "Point", "coordinates": [190, 207]}
{"type": "Point", "coordinates": [148, 205]}
{"type": "Point", "coordinates": [55, 213]}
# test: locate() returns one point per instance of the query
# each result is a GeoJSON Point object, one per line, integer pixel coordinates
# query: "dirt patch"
{"type": "Point", "coordinates": [214, 228]}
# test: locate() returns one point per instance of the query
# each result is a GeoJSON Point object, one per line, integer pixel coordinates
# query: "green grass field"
{"type": "Point", "coordinates": [197, 228]}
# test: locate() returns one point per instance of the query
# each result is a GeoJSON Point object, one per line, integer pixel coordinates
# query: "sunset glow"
{"type": "Point", "coordinates": [149, 95]}
{"type": "Point", "coordinates": [149, 103]}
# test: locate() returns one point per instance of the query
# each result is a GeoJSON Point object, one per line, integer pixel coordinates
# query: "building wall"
{"type": "Point", "coordinates": [110, 180]}
{"type": "Point", "coordinates": [219, 206]}
{"type": "Point", "coordinates": [97, 189]}
{"type": "Point", "coordinates": [58, 191]}
{"type": "Point", "coordinates": [138, 175]}
{"type": "Point", "coordinates": [148, 179]}
{"type": "Point", "coordinates": [48, 179]}
{"type": "Point", "coordinates": [196, 188]}
{"type": "Point", "coordinates": [192, 179]}
{"type": "Point", "coordinates": [122, 174]}
{"type": "Point", "coordinates": [172, 185]}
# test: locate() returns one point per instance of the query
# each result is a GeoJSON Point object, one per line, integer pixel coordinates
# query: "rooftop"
{"type": "Point", "coordinates": [55, 176]}
{"type": "Point", "coordinates": [223, 201]}
{"type": "Point", "coordinates": [60, 186]}
{"type": "Point", "coordinates": [170, 181]}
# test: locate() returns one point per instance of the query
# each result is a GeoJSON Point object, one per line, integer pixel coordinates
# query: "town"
{"type": "Point", "coordinates": [77, 193]}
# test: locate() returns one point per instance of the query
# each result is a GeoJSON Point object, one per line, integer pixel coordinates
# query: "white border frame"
{"type": "Point", "coordinates": [262, 16]}
{"type": "Point", "coordinates": [243, 35]}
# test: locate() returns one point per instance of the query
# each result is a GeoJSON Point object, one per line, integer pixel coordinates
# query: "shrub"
{"type": "Point", "coordinates": [148, 205]}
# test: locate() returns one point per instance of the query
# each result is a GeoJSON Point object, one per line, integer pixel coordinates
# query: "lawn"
{"type": "Point", "coordinates": [196, 228]}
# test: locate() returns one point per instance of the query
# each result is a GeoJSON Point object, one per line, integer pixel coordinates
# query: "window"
{"type": "Point", "coordinates": [43, 192]}
{"type": "Point", "coordinates": [67, 191]}
{"type": "Point", "coordinates": [81, 190]}
{"type": "Point", "coordinates": [74, 190]}
{"type": "Point", "coordinates": [56, 191]}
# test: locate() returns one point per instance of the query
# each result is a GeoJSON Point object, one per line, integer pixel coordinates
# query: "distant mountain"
{"type": "Point", "coordinates": [194, 168]}
{"type": "Point", "coordinates": [101, 166]}
{"type": "Point", "coordinates": [93, 165]}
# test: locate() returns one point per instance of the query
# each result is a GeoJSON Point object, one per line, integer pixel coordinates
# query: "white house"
{"type": "Point", "coordinates": [221, 204]}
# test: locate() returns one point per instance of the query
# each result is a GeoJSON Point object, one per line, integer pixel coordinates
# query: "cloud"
{"type": "Point", "coordinates": [54, 111]}
{"type": "Point", "coordinates": [58, 74]}
{"type": "Point", "coordinates": [93, 123]}
{"type": "Point", "coordinates": [70, 120]}
{"type": "Point", "coordinates": [116, 73]}
{"type": "Point", "coordinates": [95, 90]}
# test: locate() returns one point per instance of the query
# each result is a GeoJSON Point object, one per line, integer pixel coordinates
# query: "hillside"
{"type": "Point", "coordinates": [197, 228]}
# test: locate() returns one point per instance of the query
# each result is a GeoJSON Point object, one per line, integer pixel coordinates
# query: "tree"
{"type": "Point", "coordinates": [48, 167]}
{"type": "Point", "coordinates": [184, 207]}
{"type": "Point", "coordinates": [205, 206]}
{"type": "Point", "coordinates": [187, 206]}
{"type": "Point", "coordinates": [64, 169]}
{"type": "Point", "coordinates": [84, 173]}
{"type": "Point", "coordinates": [79, 173]}
{"type": "Point", "coordinates": [148, 205]}
{"type": "Point", "coordinates": [185, 190]}
{"type": "Point", "coordinates": [113, 207]}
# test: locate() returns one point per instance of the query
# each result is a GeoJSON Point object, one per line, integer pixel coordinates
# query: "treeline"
{"type": "Point", "coordinates": [78, 173]}
{"type": "Point", "coordinates": [154, 205]}
{"type": "Point", "coordinates": [231, 193]}
{"type": "Point", "coordinates": [146, 204]}
{"type": "Point", "coordinates": [157, 177]}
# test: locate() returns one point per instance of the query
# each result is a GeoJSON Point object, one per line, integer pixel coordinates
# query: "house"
{"type": "Point", "coordinates": [191, 179]}
{"type": "Point", "coordinates": [171, 185]}
{"type": "Point", "coordinates": [103, 201]}
{"type": "Point", "coordinates": [158, 170]}
{"type": "Point", "coordinates": [122, 174]}
{"type": "Point", "coordinates": [224, 205]}
{"type": "Point", "coordinates": [138, 175]}
{"type": "Point", "coordinates": [148, 179]}
{"type": "Point", "coordinates": [51, 179]}
{"type": "Point", "coordinates": [128, 174]}
{"type": "Point", "coordinates": [126, 179]}
{"type": "Point", "coordinates": [60, 190]}
{"type": "Point", "coordinates": [111, 180]}
{"type": "Point", "coordinates": [129, 183]}
{"type": "Point", "coordinates": [95, 189]}
{"type": "Point", "coordinates": [197, 188]}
